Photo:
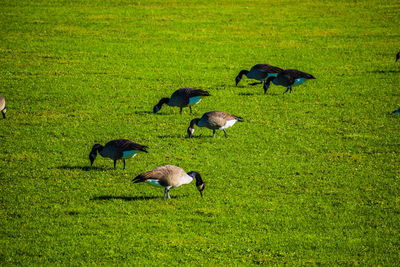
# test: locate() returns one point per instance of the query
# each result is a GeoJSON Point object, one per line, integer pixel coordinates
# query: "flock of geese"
{"type": "Point", "coordinates": [170, 176]}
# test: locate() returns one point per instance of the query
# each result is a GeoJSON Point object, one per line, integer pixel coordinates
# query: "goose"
{"type": "Point", "coordinates": [3, 108]}
{"type": "Point", "coordinates": [214, 120]}
{"type": "Point", "coordinates": [397, 56]}
{"type": "Point", "coordinates": [116, 149]}
{"type": "Point", "coordinates": [184, 97]}
{"type": "Point", "coordinates": [396, 111]}
{"type": "Point", "coordinates": [170, 176]}
{"type": "Point", "coordinates": [288, 78]}
{"type": "Point", "coordinates": [258, 72]}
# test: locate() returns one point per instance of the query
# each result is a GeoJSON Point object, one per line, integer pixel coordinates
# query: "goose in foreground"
{"type": "Point", "coordinates": [396, 111]}
{"type": "Point", "coordinates": [259, 72]}
{"type": "Point", "coordinates": [288, 78]}
{"type": "Point", "coordinates": [397, 56]}
{"type": "Point", "coordinates": [170, 176]}
{"type": "Point", "coordinates": [3, 106]}
{"type": "Point", "coordinates": [214, 120]}
{"type": "Point", "coordinates": [184, 97]}
{"type": "Point", "coordinates": [116, 149]}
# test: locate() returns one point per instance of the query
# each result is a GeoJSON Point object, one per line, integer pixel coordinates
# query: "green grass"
{"type": "Point", "coordinates": [309, 177]}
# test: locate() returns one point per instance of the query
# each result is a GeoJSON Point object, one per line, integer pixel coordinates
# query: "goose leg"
{"type": "Point", "coordinates": [225, 134]}
{"type": "Point", "coordinates": [181, 111]}
{"type": "Point", "coordinates": [190, 110]}
{"type": "Point", "coordinates": [169, 197]}
{"type": "Point", "coordinates": [115, 162]}
{"type": "Point", "coordinates": [287, 89]}
{"type": "Point", "coordinates": [165, 193]}
{"type": "Point", "coordinates": [124, 164]}
{"type": "Point", "coordinates": [214, 133]}
{"type": "Point", "coordinates": [265, 86]}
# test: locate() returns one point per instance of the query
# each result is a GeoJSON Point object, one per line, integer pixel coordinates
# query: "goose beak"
{"type": "Point", "coordinates": [190, 131]}
{"type": "Point", "coordinates": [237, 80]}
{"type": "Point", "coordinates": [92, 158]}
{"type": "Point", "coordinates": [201, 188]}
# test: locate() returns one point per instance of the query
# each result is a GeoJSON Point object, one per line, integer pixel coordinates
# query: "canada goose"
{"type": "Point", "coordinates": [396, 111]}
{"type": "Point", "coordinates": [116, 149]}
{"type": "Point", "coordinates": [259, 72]}
{"type": "Point", "coordinates": [214, 120]}
{"type": "Point", "coordinates": [397, 56]}
{"type": "Point", "coordinates": [3, 108]}
{"type": "Point", "coordinates": [182, 98]}
{"type": "Point", "coordinates": [170, 176]}
{"type": "Point", "coordinates": [288, 78]}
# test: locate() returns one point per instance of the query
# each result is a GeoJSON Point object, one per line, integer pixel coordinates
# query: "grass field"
{"type": "Point", "coordinates": [310, 177]}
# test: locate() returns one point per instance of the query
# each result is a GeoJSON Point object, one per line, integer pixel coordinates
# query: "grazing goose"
{"type": "Point", "coordinates": [259, 72]}
{"type": "Point", "coordinates": [214, 120]}
{"type": "Point", "coordinates": [397, 56]}
{"type": "Point", "coordinates": [116, 149]}
{"type": "Point", "coordinates": [396, 111]}
{"type": "Point", "coordinates": [170, 176]}
{"type": "Point", "coordinates": [182, 98]}
{"type": "Point", "coordinates": [288, 78]}
{"type": "Point", "coordinates": [3, 106]}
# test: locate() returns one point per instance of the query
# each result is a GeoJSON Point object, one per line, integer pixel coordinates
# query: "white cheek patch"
{"type": "Point", "coordinates": [228, 124]}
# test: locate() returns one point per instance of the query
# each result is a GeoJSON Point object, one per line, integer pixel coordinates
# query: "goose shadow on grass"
{"type": "Point", "coordinates": [384, 71]}
{"type": "Point", "coordinates": [170, 136]}
{"type": "Point", "coordinates": [143, 112]}
{"type": "Point", "coordinates": [83, 168]}
{"type": "Point", "coordinates": [108, 197]}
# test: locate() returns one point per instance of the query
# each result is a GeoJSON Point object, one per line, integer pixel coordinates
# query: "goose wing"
{"type": "Point", "coordinates": [266, 68]}
{"type": "Point", "coordinates": [165, 175]}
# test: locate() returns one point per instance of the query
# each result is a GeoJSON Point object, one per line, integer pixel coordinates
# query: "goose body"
{"type": "Point", "coordinates": [397, 56]}
{"type": "Point", "coordinates": [3, 108]}
{"type": "Point", "coordinates": [184, 97]}
{"type": "Point", "coordinates": [116, 149]}
{"type": "Point", "coordinates": [170, 176]}
{"type": "Point", "coordinates": [258, 72]}
{"type": "Point", "coordinates": [288, 78]}
{"type": "Point", "coordinates": [214, 120]}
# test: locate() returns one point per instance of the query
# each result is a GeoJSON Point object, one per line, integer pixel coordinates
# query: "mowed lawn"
{"type": "Point", "coordinates": [309, 177]}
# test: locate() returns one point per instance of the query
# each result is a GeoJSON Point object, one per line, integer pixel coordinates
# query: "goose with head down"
{"type": "Point", "coordinates": [184, 97]}
{"type": "Point", "coordinates": [288, 78]}
{"type": "Point", "coordinates": [116, 149]}
{"type": "Point", "coordinates": [214, 120]}
{"type": "Point", "coordinates": [258, 72]}
{"type": "Point", "coordinates": [170, 176]}
{"type": "Point", "coordinates": [3, 108]}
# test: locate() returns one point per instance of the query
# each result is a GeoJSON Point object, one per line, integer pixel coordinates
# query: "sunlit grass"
{"type": "Point", "coordinates": [308, 177]}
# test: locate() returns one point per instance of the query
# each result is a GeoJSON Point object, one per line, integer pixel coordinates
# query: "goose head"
{"type": "Point", "coordinates": [199, 182]}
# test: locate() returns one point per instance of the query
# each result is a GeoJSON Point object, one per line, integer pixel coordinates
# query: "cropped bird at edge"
{"type": "Point", "coordinates": [397, 56]}
{"type": "Point", "coordinates": [184, 97]}
{"type": "Point", "coordinates": [214, 120]}
{"type": "Point", "coordinates": [170, 176]}
{"type": "Point", "coordinates": [116, 149]}
{"type": "Point", "coordinates": [288, 78]}
{"type": "Point", "coordinates": [3, 108]}
{"type": "Point", "coordinates": [258, 72]}
{"type": "Point", "coordinates": [396, 111]}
